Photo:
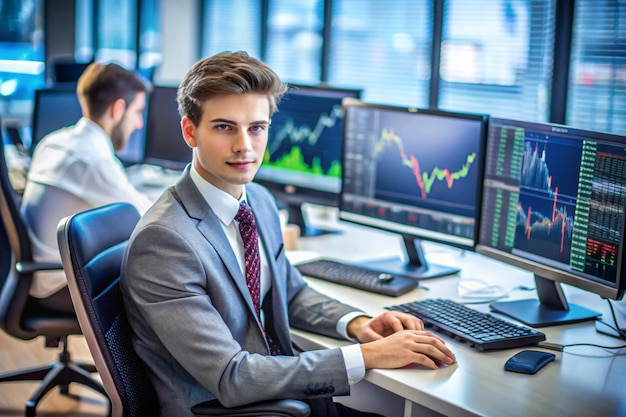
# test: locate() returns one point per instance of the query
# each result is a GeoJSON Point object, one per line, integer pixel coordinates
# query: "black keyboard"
{"type": "Point", "coordinates": [480, 330]}
{"type": "Point", "coordinates": [357, 277]}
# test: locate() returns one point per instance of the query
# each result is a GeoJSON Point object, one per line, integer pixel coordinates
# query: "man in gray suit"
{"type": "Point", "coordinates": [195, 322]}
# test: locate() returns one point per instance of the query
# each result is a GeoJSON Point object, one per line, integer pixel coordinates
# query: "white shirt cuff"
{"type": "Point", "coordinates": [355, 366]}
{"type": "Point", "coordinates": [342, 324]}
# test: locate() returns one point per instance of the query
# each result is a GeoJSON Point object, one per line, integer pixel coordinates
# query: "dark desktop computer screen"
{"type": "Point", "coordinates": [302, 163]}
{"type": "Point", "coordinates": [55, 108]}
{"type": "Point", "coordinates": [165, 145]}
{"type": "Point", "coordinates": [554, 202]}
{"type": "Point", "coordinates": [417, 173]}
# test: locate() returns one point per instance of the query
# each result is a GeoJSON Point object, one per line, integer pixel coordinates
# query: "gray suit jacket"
{"type": "Point", "coordinates": [192, 316]}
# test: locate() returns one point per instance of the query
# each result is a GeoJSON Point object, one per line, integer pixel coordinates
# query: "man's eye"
{"type": "Point", "coordinates": [258, 128]}
{"type": "Point", "coordinates": [222, 127]}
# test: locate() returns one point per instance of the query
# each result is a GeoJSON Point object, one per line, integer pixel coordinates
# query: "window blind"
{"type": "Point", "coordinates": [597, 82]}
{"type": "Point", "coordinates": [231, 25]}
{"type": "Point", "coordinates": [384, 48]}
{"type": "Point", "coordinates": [496, 57]}
{"type": "Point", "coordinates": [295, 39]}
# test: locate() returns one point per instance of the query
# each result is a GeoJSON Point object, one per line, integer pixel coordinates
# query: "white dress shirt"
{"type": "Point", "coordinates": [72, 170]}
{"type": "Point", "coordinates": [225, 208]}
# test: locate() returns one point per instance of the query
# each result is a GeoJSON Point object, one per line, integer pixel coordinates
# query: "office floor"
{"type": "Point", "coordinates": [16, 354]}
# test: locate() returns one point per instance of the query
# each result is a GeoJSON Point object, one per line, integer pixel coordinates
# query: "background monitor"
{"type": "Point", "coordinates": [68, 71]}
{"type": "Point", "coordinates": [55, 108]}
{"type": "Point", "coordinates": [302, 162]}
{"type": "Point", "coordinates": [554, 202]}
{"type": "Point", "coordinates": [165, 145]}
{"type": "Point", "coordinates": [414, 172]}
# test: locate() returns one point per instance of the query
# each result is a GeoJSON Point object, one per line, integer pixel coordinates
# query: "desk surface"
{"type": "Point", "coordinates": [583, 381]}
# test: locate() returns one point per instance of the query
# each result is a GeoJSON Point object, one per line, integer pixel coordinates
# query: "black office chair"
{"type": "Point", "coordinates": [22, 317]}
{"type": "Point", "coordinates": [92, 245]}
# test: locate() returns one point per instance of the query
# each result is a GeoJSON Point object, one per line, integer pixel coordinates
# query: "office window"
{"type": "Point", "coordinates": [22, 68]}
{"type": "Point", "coordinates": [231, 25]}
{"type": "Point", "coordinates": [383, 47]}
{"type": "Point", "coordinates": [117, 35]}
{"type": "Point", "coordinates": [295, 39]}
{"type": "Point", "coordinates": [496, 57]}
{"type": "Point", "coordinates": [84, 24]}
{"type": "Point", "coordinates": [117, 28]}
{"type": "Point", "coordinates": [597, 82]}
{"type": "Point", "coordinates": [150, 53]}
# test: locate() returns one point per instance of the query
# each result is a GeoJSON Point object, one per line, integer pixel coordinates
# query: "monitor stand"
{"type": "Point", "coordinates": [296, 216]}
{"type": "Point", "coordinates": [416, 266]}
{"type": "Point", "coordinates": [550, 309]}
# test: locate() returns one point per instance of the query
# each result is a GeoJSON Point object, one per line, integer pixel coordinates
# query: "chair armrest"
{"type": "Point", "coordinates": [286, 408]}
{"type": "Point", "coordinates": [31, 266]}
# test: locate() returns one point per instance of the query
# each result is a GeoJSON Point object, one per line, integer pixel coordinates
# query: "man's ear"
{"type": "Point", "coordinates": [117, 109]}
{"type": "Point", "coordinates": [189, 132]}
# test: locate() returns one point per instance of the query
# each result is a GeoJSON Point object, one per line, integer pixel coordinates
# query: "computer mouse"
{"type": "Point", "coordinates": [385, 277]}
{"type": "Point", "coordinates": [528, 361]}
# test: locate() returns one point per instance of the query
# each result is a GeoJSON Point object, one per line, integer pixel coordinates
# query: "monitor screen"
{"type": "Point", "coordinates": [302, 162]}
{"type": "Point", "coordinates": [69, 71]}
{"type": "Point", "coordinates": [55, 108]}
{"type": "Point", "coordinates": [414, 172]}
{"type": "Point", "coordinates": [165, 145]}
{"type": "Point", "coordinates": [554, 202]}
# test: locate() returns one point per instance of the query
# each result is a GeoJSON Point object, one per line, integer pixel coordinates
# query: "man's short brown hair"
{"type": "Point", "coordinates": [100, 85]}
{"type": "Point", "coordinates": [227, 73]}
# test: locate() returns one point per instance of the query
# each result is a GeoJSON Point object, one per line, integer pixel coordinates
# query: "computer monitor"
{"type": "Point", "coordinates": [69, 71]}
{"type": "Point", "coordinates": [165, 146]}
{"type": "Point", "coordinates": [414, 172]}
{"type": "Point", "coordinates": [554, 203]}
{"type": "Point", "coordinates": [302, 163]}
{"type": "Point", "coordinates": [55, 108]}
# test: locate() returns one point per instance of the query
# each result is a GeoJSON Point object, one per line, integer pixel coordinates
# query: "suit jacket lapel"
{"type": "Point", "coordinates": [211, 228]}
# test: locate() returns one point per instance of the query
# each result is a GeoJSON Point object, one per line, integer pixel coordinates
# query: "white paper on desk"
{"type": "Point", "coordinates": [299, 256]}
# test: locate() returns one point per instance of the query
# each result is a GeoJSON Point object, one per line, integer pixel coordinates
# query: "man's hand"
{"type": "Point", "coordinates": [405, 348]}
{"type": "Point", "coordinates": [394, 339]}
{"type": "Point", "coordinates": [367, 329]}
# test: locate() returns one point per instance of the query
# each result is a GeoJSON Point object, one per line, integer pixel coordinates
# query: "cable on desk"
{"type": "Point", "coordinates": [485, 290]}
{"type": "Point", "coordinates": [561, 348]}
{"type": "Point", "coordinates": [617, 329]}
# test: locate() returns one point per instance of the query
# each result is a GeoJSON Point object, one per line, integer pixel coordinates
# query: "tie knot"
{"type": "Point", "coordinates": [244, 215]}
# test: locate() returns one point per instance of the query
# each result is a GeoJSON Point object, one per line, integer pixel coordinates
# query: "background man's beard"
{"type": "Point", "coordinates": [117, 137]}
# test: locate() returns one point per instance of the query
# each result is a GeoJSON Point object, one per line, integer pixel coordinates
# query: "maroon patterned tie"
{"type": "Point", "coordinates": [250, 237]}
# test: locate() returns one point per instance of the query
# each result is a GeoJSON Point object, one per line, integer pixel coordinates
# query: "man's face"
{"type": "Point", "coordinates": [230, 139]}
{"type": "Point", "coordinates": [131, 121]}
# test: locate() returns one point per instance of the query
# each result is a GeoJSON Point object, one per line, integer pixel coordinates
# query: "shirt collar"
{"type": "Point", "coordinates": [97, 135]}
{"type": "Point", "coordinates": [224, 205]}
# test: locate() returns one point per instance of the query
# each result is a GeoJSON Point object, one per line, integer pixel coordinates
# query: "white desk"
{"type": "Point", "coordinates": [151, 180]}
{"type": "Point", "coordinates": [583, 381]}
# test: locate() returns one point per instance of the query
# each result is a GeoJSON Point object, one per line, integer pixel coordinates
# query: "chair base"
{"type": "Point", "coordinates": [58, 374]}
